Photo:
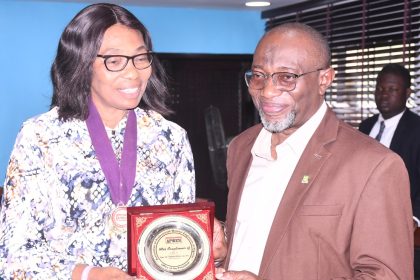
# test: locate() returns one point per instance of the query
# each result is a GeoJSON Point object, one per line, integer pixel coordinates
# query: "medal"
{"type": "Point", "coordinates": [118, 219]}
{"type": "Point", "coordinates": [120, 176]}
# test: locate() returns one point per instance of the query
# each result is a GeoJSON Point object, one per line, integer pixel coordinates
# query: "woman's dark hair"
{"type": "Point", "coordinates": [71, 71]}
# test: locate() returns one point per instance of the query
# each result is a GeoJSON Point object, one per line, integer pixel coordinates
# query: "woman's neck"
{"type": "Point", "coordinates": [112, 119]}
{"type": "Point", "coordinates": [110, 116]}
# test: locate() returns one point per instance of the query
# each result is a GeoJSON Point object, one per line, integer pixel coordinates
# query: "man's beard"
{"type": "Point", "coordinates": [280, 125]}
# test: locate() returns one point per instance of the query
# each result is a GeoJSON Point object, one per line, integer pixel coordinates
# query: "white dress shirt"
{"type": "Point", "coordinates": [264, 187]}
{"type": "Point", "coordinates": [390, 126]}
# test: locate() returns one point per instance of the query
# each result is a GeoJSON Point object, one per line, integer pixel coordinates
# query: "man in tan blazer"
{"type": "Point", "coordinates": [311, 198]}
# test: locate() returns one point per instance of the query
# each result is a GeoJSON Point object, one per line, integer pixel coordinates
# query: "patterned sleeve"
{"type": "Point", "coordinates": [185, 174]}
{"type": "Point", "coordinates": [25, 215]}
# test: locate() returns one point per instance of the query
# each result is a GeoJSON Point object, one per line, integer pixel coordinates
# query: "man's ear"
{"type": "Point", "coordinates": [326, 78]}
{"type": "Point", "coordinates": [407, 93]}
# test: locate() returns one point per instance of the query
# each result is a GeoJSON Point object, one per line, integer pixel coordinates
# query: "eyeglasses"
{"type": "Point", "coordinates": [284, 81]}
{"type": "Point", "coordinates": [115, 63]}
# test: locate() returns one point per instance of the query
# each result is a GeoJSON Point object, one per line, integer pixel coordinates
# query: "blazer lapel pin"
{"type": "Point", "coordinates": [317, 156]}
{"type": "Point", "coordinates": [305, 179]}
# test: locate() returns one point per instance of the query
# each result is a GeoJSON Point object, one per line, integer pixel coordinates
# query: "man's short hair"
{"type": "Point", "coordinates": [399, 70]}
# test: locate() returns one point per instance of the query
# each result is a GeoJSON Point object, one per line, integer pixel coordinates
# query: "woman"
{"type": "Point", "coordinates": [103, 146]}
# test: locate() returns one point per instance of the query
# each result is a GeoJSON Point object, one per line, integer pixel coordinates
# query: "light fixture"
{"type": "Point", "coordinates": [257, 4]}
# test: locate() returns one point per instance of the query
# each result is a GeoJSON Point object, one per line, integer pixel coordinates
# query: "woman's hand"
{"type": "Point", "coordinates": [101, 273]}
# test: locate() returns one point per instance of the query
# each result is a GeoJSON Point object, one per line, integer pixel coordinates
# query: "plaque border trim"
{"type": "Point", "coordinates": [139, 215]}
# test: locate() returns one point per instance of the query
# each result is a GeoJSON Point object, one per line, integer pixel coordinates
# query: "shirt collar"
{"type": "Point", "coordinates": [391, 121]}
{"type": "Point", "coordinates": [297, 141]}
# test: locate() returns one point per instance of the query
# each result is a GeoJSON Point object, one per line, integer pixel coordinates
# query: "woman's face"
{"type": "Point", "coordinates": [113, 93]}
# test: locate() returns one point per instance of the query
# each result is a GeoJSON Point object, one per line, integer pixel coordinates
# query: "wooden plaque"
{"type": "Point", "coordinates": [171, 242]}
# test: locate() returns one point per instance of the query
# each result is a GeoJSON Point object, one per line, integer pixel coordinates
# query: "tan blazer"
{"type": "Point", "coordinates": [351, 220]}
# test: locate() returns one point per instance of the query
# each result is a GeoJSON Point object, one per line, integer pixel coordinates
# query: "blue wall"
{"type": "Point", "coordinates": [30, 31]}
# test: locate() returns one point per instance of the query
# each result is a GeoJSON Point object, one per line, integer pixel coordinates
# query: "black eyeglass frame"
{"type": "Point", "coordinates": [266, 76]}
{"type": "Point", "coordinates": [128, 58]}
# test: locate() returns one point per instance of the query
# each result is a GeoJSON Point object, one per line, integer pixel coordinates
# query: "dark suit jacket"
{"type": "Point", "coordinates": [406, 143]}
{"type": "Point", "coordinates": [352, 220]}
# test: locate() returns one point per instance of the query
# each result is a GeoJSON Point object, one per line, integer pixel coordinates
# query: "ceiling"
{"type": "Point", "coordinates": [219, 4]}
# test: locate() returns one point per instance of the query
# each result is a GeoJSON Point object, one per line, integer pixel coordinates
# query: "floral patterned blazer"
{"type": "Point", "coordinates": [56, 205]}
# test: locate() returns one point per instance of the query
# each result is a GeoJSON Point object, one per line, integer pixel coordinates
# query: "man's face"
{"type": "Point", "coordinates": [390, 94]}
{"type": "Point", "coordinates": [291, 52]}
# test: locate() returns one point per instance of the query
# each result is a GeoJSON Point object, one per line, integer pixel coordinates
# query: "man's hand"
{"type": "Point", "coordinates": [221, 274]}
{"type": "Point", "coordinates": [219, 242]}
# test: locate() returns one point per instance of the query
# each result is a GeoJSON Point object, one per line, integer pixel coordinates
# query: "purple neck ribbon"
{"type": "Point", "coordinates": [120, 177]}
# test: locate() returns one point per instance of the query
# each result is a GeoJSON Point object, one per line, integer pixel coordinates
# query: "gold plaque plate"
{"type": "Point", "coordinates": [171, 242]}
{"type": "Point", "coordinates": [174, 247]}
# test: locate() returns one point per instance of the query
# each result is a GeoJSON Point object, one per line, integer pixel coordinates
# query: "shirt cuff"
{"type": "Point", "coordinates": [417, 221]}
